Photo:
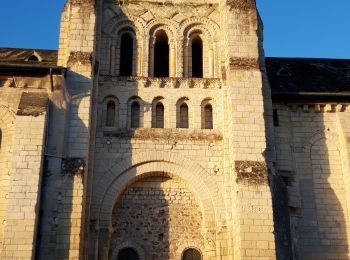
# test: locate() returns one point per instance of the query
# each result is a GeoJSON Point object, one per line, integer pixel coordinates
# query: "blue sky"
{"type": "Point", "coordinates": [293, 28]}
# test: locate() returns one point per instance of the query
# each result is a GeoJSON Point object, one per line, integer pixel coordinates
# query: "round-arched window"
{"type": "Point", "coordinates": [127, 254]}
{"type": "Point", "coordinates": [191, 254]}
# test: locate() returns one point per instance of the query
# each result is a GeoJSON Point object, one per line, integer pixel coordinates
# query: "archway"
{"type": "Point", "coordinates": [161, 55]}
{"type": "Point", "coordinates": [160, 213]}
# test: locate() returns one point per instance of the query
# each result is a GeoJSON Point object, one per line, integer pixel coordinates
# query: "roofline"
{"type": "Point", "coordinates": [28, 49]}
{"type": "Point", "coordinates": [314, 96]}
{"type": "Point", "coordinates": [307, 58]}
{"type": "Point", "coordinates": [30, 67]}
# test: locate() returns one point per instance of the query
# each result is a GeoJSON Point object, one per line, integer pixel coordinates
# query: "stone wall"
{"type": "Point", "coordinates": [162, 215]}
{"type": "Point", "coordinates": [313, 161]}
{"type": "Point", "coordinates": [65, 178]}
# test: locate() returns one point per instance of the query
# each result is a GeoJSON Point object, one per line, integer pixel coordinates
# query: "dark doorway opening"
{"type": "Point", "coordinates": [161, 55]}
{"type": "Point", "coordinates": [191, 254]}
{"type": "Point", "coordinates": [126, 55]}
{"type": "Point", "coordinates": [127, 254]}
{"type": "Point", "coordinates": [197, 57]}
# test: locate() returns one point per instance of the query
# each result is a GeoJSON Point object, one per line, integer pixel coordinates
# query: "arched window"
{"type": "Point", "coordinates": [135, 115]}
{"type": "Point", "coordinates": [126, 55]}
{"type": "Point", "coordinates": [161, 55]}
{"type": "Point", "coordinates": [128, 254]}
{"type": "Point", "coordinates": [197, 57]}
{"type": "Point", "coordinates": [183, 116]}
{"type": "Point", "coordinates": [110, 116]}
{"type": "Point", "coordinates": [159, 116]}
{"type": "Point", "coordinates": [208, 117]}
{"type": "Point", "coordinates": [191, 254]}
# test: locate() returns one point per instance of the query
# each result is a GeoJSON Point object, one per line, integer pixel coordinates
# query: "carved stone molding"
{"type": "Point", "coordinates": [243, 63]}
{"type": "Point", "coordinates": [85, 58]}
{"type": "Point", "coordinates": [169, 134]}
{"type": "Point", "coordinates": [73, 166]}
{"type": "Point", "coordinates": [32, 104]}
{"type": "Point", "coordinates": [151, 82]}
{"type": "Point", "coordinates": [251, 172]}
{"type": "Point", "coordinates": [241, 4]}
{"type": "Point", "coordinates": [319, 108]}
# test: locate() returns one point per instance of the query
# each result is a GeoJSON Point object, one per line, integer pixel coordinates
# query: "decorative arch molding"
{"type": "Point", "coordinates": [119, 20]}
{"type": "Point", "coordinates": [167, 25]}
{"type": "Point", "coordinates": [114, 181]}
{"type": "Point", "coordinates": [208, 24]}
{"type": "Point", "coordinates": [120, 25]}
{"type": "Point", "coordinates": [191, 29]}
{"type": "Point", "coordinates": [170, 29]}
{"type": "Point", "coordinates": [317, 136]}
{"type": "Point", "coordinates": [127, 244]}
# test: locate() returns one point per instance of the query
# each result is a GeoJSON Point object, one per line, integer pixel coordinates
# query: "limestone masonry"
{"type": "Point", "coordinates": [160, 131]}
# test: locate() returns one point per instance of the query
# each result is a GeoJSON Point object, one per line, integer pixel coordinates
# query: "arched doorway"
{"type": "Point", "coordinates": [127, 254]}
{"type": "Point", "coordinates": [191, 254]}
{"type": "Point", "coordinates": [159, 213]}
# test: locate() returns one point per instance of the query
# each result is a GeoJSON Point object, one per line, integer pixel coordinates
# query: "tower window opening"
{"type": "Point", "coordinates": [191, 254]}
{"type": "Point", "coordinates": [135, 115]}
{"type": "Point", "coordinates": [128, 254]}
{"type": "Point", "coordinates": [183, 116]}
{"type": "Point", "coordinates": [126, 55]}
{"type": "Point", "coordinates": [110, 117]}
{"type": "Point", "coordinates": [208, 117]}
{"type": "Point", "coordinates": [197, 57]}
{"type": "Point", "coordinates": [161, 55]}
{"type": "Point", "coordinates": [159, 120]}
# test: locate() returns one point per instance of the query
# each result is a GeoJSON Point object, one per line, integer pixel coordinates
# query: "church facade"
{"type": "Point", "coordinates": [159, 130]}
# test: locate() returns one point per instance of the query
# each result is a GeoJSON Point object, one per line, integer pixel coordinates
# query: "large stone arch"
{"type": "Point", "coordinates": [184, 225]}
{"type": "Point", "coordinates": [114, 181]}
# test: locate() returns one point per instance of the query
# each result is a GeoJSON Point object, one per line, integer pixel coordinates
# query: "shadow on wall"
{"type": "Point", "coordinates": [59, 233]}
{"type": "Point", "coordinates": [282, 234]}
{"type": "Point", "coordinates": [323, 227]}
{"type": "Point", "coordinates": [319, 229]}
{"type": "Point", "coordinates": [150, 217]}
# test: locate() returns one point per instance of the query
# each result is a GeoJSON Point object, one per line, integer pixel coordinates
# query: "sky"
{"type": "Point", "coordinates": [293, 28]}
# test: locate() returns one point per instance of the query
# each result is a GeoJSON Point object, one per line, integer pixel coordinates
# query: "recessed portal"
{"type": "Point", "coordinates": [159, 214]}
{"type": "Point", "coordinates": [127, 254]}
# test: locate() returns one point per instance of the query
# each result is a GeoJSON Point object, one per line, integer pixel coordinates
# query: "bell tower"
{"type": "Point", "coordinates": [168, 138]}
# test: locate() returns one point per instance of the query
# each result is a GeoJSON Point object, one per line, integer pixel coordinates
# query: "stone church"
{"type": "Point", "coordinates": [159, 131]}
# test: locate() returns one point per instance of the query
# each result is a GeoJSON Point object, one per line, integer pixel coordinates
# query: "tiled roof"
{"type": "Point", "coordinates": [298, 76]}
{"type": "Point", "coordinates": [19, 57]}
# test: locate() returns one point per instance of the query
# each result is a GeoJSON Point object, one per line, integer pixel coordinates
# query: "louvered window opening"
{"type": "Point", "coordinates": [159, 116]}
{"type": "Point", "coordinates": [135, 115]}
{"type": "Point", "coordinates": [208, 117]}
{"type": "Point", "coordinates": [110, 120]}
{"type": "Point", "coordinates": [184, 116]}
